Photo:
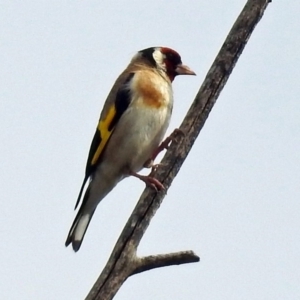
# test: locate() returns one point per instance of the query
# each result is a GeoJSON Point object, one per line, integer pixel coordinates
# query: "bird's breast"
{"type": "Point", "coordinates": [142, 126]}
{"type": "Point", "coordinates": [151, 89]}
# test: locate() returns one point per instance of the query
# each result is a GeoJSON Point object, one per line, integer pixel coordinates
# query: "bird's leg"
{"type": "Point", "coordinates": [149, 181]}
{"type": "Point", "coordinates": [164, 145]}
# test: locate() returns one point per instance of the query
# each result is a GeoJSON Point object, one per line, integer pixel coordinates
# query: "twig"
{"type": "Point", "coordinates": [164, 260]}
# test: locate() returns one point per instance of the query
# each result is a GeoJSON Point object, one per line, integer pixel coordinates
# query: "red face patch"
{"type": "Point", "coordinates": [172, 60]}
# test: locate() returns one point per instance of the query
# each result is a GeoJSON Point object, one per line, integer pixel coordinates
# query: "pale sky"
{"type": "Point", "coordinates": [236, 200]}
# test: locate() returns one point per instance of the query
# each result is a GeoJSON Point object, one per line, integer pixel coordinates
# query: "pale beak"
{"type": "Point", "coordinates": [184, 70]}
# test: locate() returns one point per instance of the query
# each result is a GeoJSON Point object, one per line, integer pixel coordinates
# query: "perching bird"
{"type": "Point", "coordinates": [132, 124]}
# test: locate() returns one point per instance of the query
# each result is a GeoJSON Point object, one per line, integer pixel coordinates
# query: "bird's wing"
{"type": "Point", "coordinates": [116, 104]}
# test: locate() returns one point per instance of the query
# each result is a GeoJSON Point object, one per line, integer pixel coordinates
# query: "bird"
{"type": "Point", "coordinates": [132, 125]}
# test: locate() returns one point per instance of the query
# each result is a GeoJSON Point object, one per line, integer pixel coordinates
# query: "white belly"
{"type": "Point", "coordinates": [136, 137]}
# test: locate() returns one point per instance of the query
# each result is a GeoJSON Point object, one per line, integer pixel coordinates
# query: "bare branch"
{"type": "Point", "coordinates": [164, 260]}
{"type": "Point", "coordinates": [123, 261]}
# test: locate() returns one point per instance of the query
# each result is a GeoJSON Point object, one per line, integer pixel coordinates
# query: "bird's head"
{"type": "Point", "coordinates": [166, 60]}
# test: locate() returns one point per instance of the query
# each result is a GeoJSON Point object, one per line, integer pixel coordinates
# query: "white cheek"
{"type": "Point", "coordinates": [159, 58]}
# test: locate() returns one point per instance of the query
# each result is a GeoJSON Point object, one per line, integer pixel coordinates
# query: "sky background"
{"type": "Point", "coordinates": [236, 200]}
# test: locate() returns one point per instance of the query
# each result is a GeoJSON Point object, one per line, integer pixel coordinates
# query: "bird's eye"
{"type": "Point", "coordinates": [170, 56]}
{"type": "Point", "coordinates": [173, 58]}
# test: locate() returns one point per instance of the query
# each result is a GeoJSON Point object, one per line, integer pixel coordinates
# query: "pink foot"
{"type": "Point", "coordinates": [150, 181]}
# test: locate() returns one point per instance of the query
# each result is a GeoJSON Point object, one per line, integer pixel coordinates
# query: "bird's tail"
{"type": "Point", "coordinates": [78, 229]}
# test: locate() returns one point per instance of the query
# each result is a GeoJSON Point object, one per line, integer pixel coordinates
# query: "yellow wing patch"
{"type": "Point", "coordinates": [104, 133]}
{"type": "Point", "coordinates": [107, 124]}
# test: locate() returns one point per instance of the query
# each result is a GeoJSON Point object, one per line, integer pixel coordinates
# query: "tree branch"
{"type": "Point", "coordinates": [123, 261]}
{"type": "Point", "coordinates": [164, 260]}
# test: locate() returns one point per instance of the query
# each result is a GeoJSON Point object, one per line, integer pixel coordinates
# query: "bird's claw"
{"type": "Point", "coordinates": [150, 181]}
{"type": "Point", "coordinates": [154, 183]}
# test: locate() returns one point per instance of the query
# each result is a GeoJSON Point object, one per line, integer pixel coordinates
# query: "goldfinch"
{"type": "Point", "coordinates": [132, 124]}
